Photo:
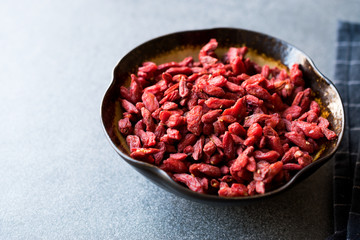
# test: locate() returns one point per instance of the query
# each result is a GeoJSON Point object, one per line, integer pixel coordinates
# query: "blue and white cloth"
{"type": "Point", "coordinates": [347, 159]}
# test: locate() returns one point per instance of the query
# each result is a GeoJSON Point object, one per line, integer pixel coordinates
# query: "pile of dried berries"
{"type": "Point", "coordinates": [222, 126]}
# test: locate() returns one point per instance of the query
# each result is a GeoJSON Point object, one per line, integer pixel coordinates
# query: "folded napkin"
{"type": "Point", "coordinates": [346, 180]}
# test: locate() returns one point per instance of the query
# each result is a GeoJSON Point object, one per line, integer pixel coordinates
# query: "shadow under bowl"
{"type": "Point", "coordinates": [176, 46]}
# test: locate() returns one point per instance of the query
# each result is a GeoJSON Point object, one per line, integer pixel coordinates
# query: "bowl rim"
{"type": "Point", "coordinates": [175, 187]}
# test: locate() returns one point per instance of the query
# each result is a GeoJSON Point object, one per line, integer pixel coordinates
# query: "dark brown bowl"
{"type": "Point", "coordinates": [176, 46]}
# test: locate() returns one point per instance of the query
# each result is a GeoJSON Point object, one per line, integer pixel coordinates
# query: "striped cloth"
{"type": "Point", "coordinates": [347, 160]}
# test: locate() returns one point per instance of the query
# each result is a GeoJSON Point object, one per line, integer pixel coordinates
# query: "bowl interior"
{"type": "Point", "coordinates": [177, 46]}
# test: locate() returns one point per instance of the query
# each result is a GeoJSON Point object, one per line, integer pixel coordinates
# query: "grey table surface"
{"type": "Point", "coordinates": [59, 176]}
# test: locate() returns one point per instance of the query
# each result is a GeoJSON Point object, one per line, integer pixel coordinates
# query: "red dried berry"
{"type": "Point", "coordinates": [222, 125]}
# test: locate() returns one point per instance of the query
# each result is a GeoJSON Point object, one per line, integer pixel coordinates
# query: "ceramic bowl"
{"type": "Point", "coordinates": [176, 46]}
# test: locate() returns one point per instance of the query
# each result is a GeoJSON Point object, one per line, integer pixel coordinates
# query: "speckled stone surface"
{"type": "Point", "coordinates": [60, 178]}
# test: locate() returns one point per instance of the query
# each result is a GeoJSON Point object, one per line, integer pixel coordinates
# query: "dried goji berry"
{"type": "Point", "coordinates": [202, 111]}
{"type": "Point", "coordinates": [237, 65]}
{"type": "Point", "coordinates": [310, 129]}
{"type": "Point", "coordinates": [193, 120]}
{"type": "Point", "coordinates": [289, 155]}
{"type": "Point", "coordinates": [150, 101]}
{"type": "Point", "coordinates": [179, 70]}
{"type": "Point", "coordinates": [229, 150]}
{"type": "Point", "coordinates": [215, 103]}
{"type": "Point", "coordinates": [254, 130]}
{"type": "Point", "coordinates": [219, 127]}
{"type": "Point", "coordinates": [216, 159]}
{"type": "Point", "coordinates": [158, 157]}
{"type": "Point", "coordinates": [218, 81]}
{"type": "Point", "coordinates": [147, 119]}
{"type": "Point", "coordinates": [237, 129]}
{"type": "Point", "coordinates": [238, 110]}
{"type": "Point", "coordinates": [292, 166]}
{"type": "Point", "coordinates": [191, 182]}
{"type": "Point", "coordinates": [211, 116]}
{"type": "Point", "coordinates": [232, 87]}
{"type": "Point", "coordinates": [174, 165]}
{"type": "Point", "coordinates": [125, 126]}
{"type": "Point", "coordinates": [133, 141]}
{"type": "Point", "coordinates": [258, 91]}
{"type": "Point", "coordinates": [148, 139]}
{"type": "Point", "coordinates": [189, 139]}
{"type": "Point", "coordinates": [300, 141]}
{"type": "Point", "coordinates": [129, 107]}
{"type": "Point", "coordinates": [227, 118]}
{"type": "Point", "coordinates": [236, 190]}
{"type": "Point", "coordinates": [200, 169]}
{"type": "Point", "coordinates": [173, 133]}
{"type": "Point", "coordinates": [269, 156]}
{"type": "Point", "coordinates": [198, 148]}
{"type": "Point", "coordinates": [175, 120]}
{"type": "Point", "coordinates": [139, 153]}
{"type": "Point", "coordinates": [209, 148]}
